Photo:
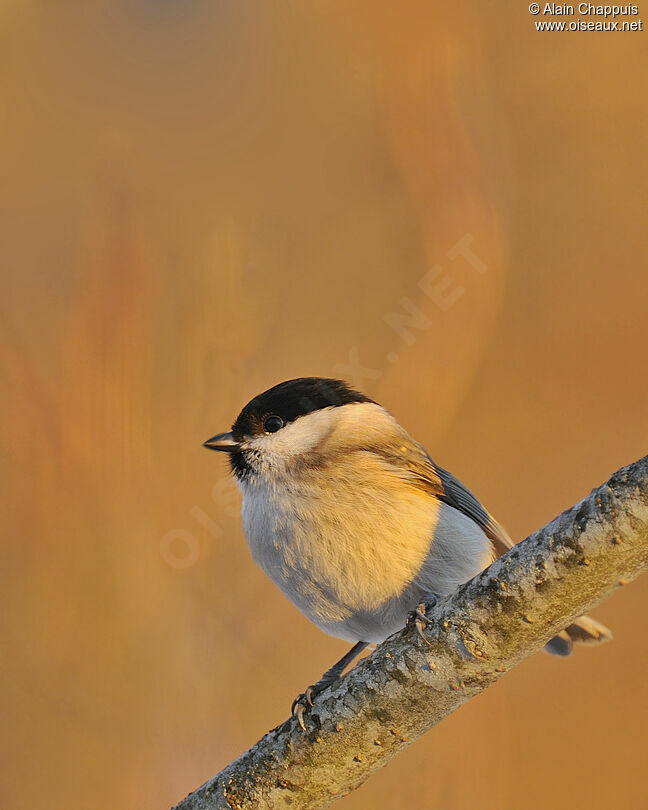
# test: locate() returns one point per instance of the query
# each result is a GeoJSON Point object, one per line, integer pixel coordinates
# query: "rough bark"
{"type": "Point", "coordinates": [485, 628]}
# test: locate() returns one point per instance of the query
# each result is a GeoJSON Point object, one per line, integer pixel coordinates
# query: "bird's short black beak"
{"type": "Point", "coordinates": [223, 441]}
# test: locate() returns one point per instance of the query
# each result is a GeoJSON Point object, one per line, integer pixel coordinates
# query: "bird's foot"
{"type": "Point", "coordinates": [302, 703]}
{"type": "Point", "coordinates": [418, 618]}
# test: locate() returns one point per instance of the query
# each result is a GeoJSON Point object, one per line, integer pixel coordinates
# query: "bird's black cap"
{"type": "Point", "coordinates": [292, 399]}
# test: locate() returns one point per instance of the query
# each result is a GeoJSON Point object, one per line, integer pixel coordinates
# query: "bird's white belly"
{"type": "Point", "coordinates": [359, 569]}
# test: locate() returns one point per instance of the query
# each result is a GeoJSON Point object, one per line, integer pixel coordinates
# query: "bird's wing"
{"type": "Point", "coordinates": [457, 495]}
{"type": "Point", "coordinates": [434, 480]}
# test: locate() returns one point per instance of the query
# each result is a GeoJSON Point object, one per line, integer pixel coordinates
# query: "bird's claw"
{"type": "Point", "coordinates": [418, 618]}
{"type": "Point", "coordinates": [301, 704]}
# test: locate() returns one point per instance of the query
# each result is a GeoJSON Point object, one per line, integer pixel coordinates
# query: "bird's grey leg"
{"type": "Point", "coordinates": [301, 703]}
{"type": "Point", "coordinates": [418, 617]}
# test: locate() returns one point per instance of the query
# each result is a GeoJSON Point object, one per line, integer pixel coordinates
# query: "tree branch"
{"type": "Point", "coordinates": [485, 628]}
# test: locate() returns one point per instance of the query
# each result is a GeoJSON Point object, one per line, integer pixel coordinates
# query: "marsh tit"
{"type": "Point", "coordinates": [351, 518]}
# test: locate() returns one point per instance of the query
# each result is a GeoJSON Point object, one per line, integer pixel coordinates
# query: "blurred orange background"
{"type": "Point", "coordinates": [202, 199]}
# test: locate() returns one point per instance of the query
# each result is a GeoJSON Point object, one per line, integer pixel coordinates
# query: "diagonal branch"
{"type": "Point", "coordinates": [485, 628]}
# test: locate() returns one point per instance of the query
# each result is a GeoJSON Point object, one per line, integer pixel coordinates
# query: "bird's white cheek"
{"type": "Point", "coordinates": [296, 438]}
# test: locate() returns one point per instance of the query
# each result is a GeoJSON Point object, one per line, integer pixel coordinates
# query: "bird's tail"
{"type": "Point", "coordinates": [585, 630]}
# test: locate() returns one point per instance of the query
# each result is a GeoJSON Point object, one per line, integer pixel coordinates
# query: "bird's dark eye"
{"type": "Point", "coordinates": [272, 424]}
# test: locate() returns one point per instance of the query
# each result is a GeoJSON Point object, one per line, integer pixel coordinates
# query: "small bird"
{"type": "Point", "coordinates": [353, 521]}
